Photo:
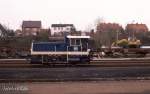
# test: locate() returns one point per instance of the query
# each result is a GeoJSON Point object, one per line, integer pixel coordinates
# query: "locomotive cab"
{"type": "Point", "coordinates": [78, 48]}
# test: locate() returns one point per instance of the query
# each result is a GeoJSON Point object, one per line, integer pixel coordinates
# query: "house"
{"type": "Point", "coordinates": [108, 27]}
{"type": "Point", "coordinates": [1, 35]}
{"type": "Point", "coordinates": [59, 29]}
{"type": "Point", "coordinates": [31, 27]}
{"type": "Point", "coordinates": [137, 28]}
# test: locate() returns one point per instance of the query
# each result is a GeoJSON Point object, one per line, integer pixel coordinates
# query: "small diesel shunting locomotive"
{"type": "Point", "coordinates": [72, 49]}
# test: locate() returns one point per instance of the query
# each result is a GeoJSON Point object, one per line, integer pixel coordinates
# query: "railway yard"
{"type": "Point", "coordinates": [102, 62]}
{"type": "Point", "coordinates": [104, 69]}
{"type": "Point", "coordinates": [100, 76]}
{"type": "Point", "coordinates": [75, 69]}
{"type": "Point", "coordinates": [103, 76]}
{"type": "Point", "coordinates": [105, 58]}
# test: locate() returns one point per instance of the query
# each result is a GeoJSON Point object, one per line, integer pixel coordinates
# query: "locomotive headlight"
{"type": "Point", "coordinates": [88, 50]}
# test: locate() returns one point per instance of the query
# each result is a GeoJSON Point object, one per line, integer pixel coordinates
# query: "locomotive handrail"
{"type": "Point", "coordinates": [55, 49]}
{"type": "Point", "coordinates": [67, 54]}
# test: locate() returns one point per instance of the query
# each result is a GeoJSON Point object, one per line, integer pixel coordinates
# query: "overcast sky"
{"type": "Point", "coordinates": [81, 13]}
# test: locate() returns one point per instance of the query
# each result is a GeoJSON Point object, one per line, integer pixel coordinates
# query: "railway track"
{"type": "Point", "coordinates": [73, 74]}
{"type": "Point", "coordinates": [105, 62]}
{"type": "Point", "coordinates": [20, 70]}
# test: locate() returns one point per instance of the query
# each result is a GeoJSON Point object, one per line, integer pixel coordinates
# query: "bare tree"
{"type": "Point", "coordinates": [107, 33]}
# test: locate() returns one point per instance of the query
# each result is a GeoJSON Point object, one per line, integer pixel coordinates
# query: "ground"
{"type": "Point", "coordinates": [100, 87]}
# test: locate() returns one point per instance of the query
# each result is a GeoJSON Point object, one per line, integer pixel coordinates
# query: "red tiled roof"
{"type": "Point", "coordinates": [137, 27]}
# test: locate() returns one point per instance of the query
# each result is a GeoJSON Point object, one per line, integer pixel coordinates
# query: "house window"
{"type": "Point", "coordinates": [34, 29]}
{"type": "Point", "coordinates": [27, 29]}
{"type": "Point", "coordinates": [62, 28]}
{"type": "Point", "coordinates": [67, 28]}
{"type": "Point", "coordinates": [54, 28]}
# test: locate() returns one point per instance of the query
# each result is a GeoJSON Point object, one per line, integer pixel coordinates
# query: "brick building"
{"type": "Point", "coordinates": [136, 28]}
{"type": "Point", "coordinates": [31, 27]}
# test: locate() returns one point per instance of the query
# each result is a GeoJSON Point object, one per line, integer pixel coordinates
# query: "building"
{"type": "Point", "coordinates": [1, 35]}
{"type": "Point", "coordinates": [108, 27]}
{"type": "Point", "coordinates": [59, 29]}
{"type": "Point", "coordinates": [136, 28]}
{"type": "Point", "coordinates": [31, 27]}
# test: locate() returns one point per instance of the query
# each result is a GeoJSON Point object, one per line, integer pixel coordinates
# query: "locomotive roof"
{"type": "Point", "coordinates": [80, 37]}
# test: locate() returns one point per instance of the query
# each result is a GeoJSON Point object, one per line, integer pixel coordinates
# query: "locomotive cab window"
{"type": "Point", "coordinates": [75, 42]}
{"type": "Point", "coordinates": [78, 41]}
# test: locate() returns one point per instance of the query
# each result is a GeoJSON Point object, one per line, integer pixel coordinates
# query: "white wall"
{"type": "Point", "coordinates": [60, 29]}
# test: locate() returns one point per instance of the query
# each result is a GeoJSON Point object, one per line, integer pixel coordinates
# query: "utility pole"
{"type": "Point", "coordinates": [117, 36]}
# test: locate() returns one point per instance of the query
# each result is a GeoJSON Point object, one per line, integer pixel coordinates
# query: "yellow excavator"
{"type": "Point", "coordinates": [130, 43]}
{"type": "Point", "coordinates": [128, 48]}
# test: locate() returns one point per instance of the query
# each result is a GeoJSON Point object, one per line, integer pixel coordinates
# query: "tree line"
{"type": "Point", "coordinates": [107, 33]}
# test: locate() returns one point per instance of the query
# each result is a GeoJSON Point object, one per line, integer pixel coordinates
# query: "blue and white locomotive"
{"type": "Point", "coordinates": [72, 49]}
